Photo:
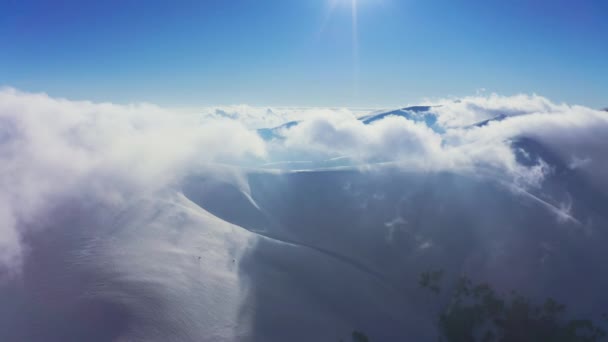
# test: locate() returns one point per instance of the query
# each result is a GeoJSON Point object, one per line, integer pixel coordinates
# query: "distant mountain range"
{"type": "Point", "coordinates": [422, 114]}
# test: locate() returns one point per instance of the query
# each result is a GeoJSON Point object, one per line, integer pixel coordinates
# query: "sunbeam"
{"type": "Point", "coordinates": [355, 28]}
{"type": "Point", "coordinates": [354, 8]}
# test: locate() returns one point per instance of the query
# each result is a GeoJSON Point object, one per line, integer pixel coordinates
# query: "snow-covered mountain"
{"type": "Point", "coordinates": [303, 256]}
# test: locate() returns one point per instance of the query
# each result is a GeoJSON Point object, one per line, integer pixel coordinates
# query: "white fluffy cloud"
{"type": "Point", "coordinates": [572, 132]}
{"type": "Point", "coordinates": [51, 148]}
{"type": "Point", "coordinates": [472, 109]}
{"type": "Point", "coordinates": [263, 117]}
{"type": "Point", "coordinates": [393, 138]}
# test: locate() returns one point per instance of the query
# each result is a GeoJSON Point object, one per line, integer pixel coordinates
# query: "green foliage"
{"type": "Point", "coordinates": [478, 313]}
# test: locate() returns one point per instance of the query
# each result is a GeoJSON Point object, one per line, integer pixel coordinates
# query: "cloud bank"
{"type": "Point", "coordinates": [51, 148]}
{"type": "Point", "coordinates": [574, 133]}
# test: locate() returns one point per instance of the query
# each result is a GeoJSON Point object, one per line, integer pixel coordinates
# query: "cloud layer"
{"type": "Point", "coordinates": [575, 133]}
{"type": "Point", "coordinates": [54, 148]}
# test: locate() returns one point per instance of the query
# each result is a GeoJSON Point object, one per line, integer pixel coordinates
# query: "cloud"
{"type": "Point", "coordinates": [570, 132]}
{"type": "Point", "coordinates": [393, 138]}
{"type": "Point", "coordinates": [472, 109]}
{"type": "Point", "coordinates": [53, 148]}
{"type": "Point", "coordinates": [262, 117]}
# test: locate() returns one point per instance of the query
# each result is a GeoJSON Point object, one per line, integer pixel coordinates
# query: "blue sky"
{"type": "Point", "coordinates": [301, 53]}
